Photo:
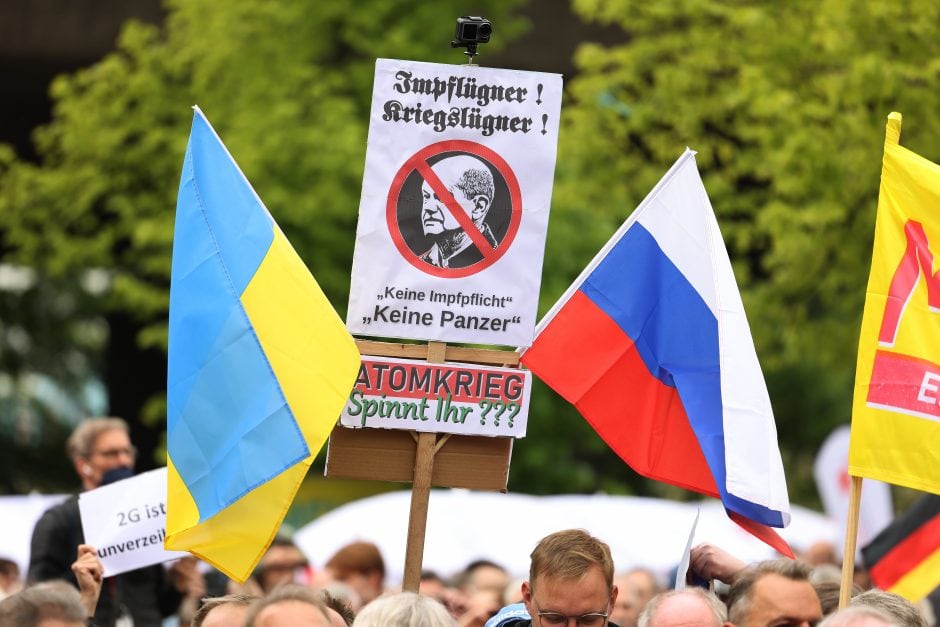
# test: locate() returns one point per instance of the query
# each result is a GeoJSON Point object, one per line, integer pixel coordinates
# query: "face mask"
{"type": "Point", "coordinates": [116, 474]}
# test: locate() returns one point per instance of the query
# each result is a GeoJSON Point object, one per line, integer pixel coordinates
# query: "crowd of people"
{"type": "Point", "coordinates": [572, 580]}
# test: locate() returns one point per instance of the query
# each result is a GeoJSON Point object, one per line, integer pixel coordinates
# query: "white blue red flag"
{"type": "Point", "coordinates": [652, 346]}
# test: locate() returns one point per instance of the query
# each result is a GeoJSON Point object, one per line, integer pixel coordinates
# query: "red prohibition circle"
{"type": "Point", "coordinates": [419, 162]}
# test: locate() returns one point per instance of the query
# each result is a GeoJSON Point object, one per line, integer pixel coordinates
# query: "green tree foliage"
{"type": "Point", "coordinates": [50, 337]}
{"type": "Point", "coordinates": [287, 85]}
{"type": "Point", "coordinates": [785, 103]}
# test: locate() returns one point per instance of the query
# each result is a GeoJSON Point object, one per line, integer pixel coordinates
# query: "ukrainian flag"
{"type": "Point", "coordinates": [259, 365]}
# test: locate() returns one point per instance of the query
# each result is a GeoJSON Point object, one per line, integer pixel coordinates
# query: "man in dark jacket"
{"type": "Point", "coordinates": [101, 450]}
{"type": "Point", "coordinates": [571, 578]}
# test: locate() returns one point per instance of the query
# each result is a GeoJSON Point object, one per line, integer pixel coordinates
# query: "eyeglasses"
{"type": "Point", "coordinates": [592, 619]}
{"type": "Point", "coordinates": [114, 453]}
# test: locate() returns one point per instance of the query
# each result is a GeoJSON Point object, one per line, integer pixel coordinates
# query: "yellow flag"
{"type": "Point", "coordinates": [896, 406]}
{"type": "Point", "coordinates": [259, 365]}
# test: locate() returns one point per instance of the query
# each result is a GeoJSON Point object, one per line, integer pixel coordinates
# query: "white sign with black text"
{"type": "Point", "coordinates": [126, 522]}
{"type": "Point", "coordinates": [455, 202]}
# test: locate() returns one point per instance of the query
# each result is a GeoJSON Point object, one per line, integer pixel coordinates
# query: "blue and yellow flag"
{"type": "Point", "coordinates": [260, 365]}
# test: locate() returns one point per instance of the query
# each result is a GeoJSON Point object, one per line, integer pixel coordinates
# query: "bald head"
{"type": "Point", "coordinates": [469, 182]}
{"type": "Point", "coordinates": [859, 617]}
{"type": "Point", "coordinates": [290, 605]}
{"type": "Point", "coordinates": [223, 615]}
{"type": "Point", "coordinates": [686, 608]}
{"type": "Point", "coordinates": [466, 173]}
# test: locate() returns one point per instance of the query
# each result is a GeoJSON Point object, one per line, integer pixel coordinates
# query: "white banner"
{"type": "Point", "coordinates": [439, 398]}
{"type": "Point", "coordinates": [455, 201]}
{"type": "Point", "coordinates": [464, 525]}
{"type": "Point", "coordinates": [126, 522]}
{"type": "Point", "coordinates": [832, 480]}
{"type": "Point", "coordinates": [18, 515]}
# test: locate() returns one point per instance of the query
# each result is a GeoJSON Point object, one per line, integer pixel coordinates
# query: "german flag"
{"type": "Point", "coordinates": [905, 557]}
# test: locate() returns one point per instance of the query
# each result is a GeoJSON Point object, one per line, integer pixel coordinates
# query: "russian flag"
{"type": "Point", "coordinates": [652, 346]}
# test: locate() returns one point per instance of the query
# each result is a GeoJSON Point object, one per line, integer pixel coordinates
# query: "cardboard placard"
{"type": "Point", "coordinates": [439, 398]}
{"type": "Point", "coordinates": [472, 462]}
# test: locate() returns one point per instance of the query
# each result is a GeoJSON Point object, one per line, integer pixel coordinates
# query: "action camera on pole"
{"type": "Point", "coordinates": [471, 31]}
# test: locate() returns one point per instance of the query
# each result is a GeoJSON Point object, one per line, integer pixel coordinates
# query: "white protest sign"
{"type": "Point", "coordinates": [455, 202]}
{"type": "Point", "coordinates": [439, 398]}
{"type": "Point", "coordinates": [126, 522]}
{"type": "Point", "coordinates": [686, 556]}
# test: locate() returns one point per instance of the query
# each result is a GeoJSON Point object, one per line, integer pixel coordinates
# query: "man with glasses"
{"type": "Point", "coordinates": [282, 563]}
{"type": "Point", "coordinates": [101, 451]}
{"type": "Point", "coordinates": [570, 585]}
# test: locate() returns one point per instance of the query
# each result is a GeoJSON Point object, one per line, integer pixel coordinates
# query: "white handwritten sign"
{"type": "Point", "coordinates": [126, 522]}
{"type": "Point", "coordinates": [439, 398]}
{"type": "Point", "coordinates": [455, 202]}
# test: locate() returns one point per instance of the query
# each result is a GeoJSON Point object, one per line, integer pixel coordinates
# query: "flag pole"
{"type": "Point", "coordinates": [851, 536]}
{"type": "Point", "coordinates": [892, 136]}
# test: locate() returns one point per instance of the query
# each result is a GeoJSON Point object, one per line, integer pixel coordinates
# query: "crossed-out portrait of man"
{"type": "Point", "coordinates": [470, 182]}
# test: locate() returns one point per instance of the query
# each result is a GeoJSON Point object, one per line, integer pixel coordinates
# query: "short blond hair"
{"type": "Point", "coordinates": [80, 443]}
{"type": "Point", "coordinates": [209, 604]}
{"type": "Point", "coordinates": [569, 554]}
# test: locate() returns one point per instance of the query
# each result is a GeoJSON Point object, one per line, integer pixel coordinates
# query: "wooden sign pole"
{"type": "Point", "coordinates": [421, 492]}
{"type": "Point", "coordinates": [418, 519]}
{"type": "Point", "coordinates": [467, 461]}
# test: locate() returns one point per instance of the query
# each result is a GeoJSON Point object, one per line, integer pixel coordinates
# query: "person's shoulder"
{"type": "Point", "coordinates": [466, 257]}
{"type": "Point", "coordinates": [67, 508]}
{"type": "Point", "coordinates": [432, 256]}
{"type": "Point", "coordinates": [514, 615]}
{"type": "Point", "coordinates": [61, 520]}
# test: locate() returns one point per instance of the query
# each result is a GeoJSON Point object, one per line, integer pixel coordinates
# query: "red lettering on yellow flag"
{"type": "Point", "coordinates": [917, 259]}
{"type": "Point", "coordinates": [905, 384]}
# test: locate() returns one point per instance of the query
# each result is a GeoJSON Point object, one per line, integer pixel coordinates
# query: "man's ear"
{"type": "Point", "coordinates": [481, 205]}
{"type": "Point", "coordinates": [82, 467]}
{"type": "Point", "coordinates": [527, 598]}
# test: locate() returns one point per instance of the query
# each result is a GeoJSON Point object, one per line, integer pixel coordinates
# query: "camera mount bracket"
{"type": "Point", "coordinates": [471, 31]}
